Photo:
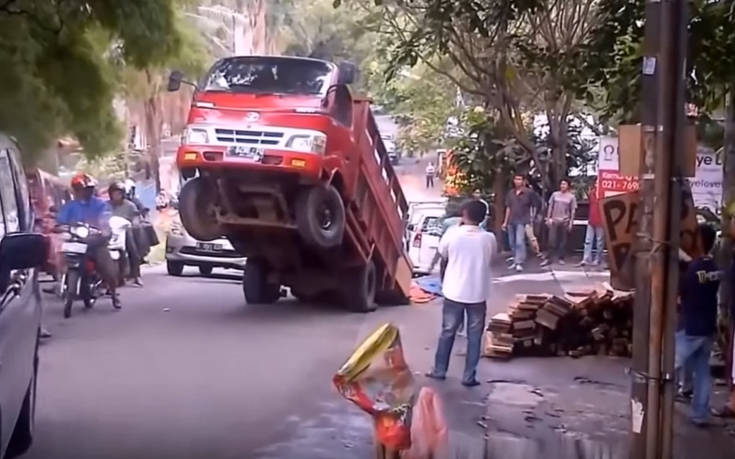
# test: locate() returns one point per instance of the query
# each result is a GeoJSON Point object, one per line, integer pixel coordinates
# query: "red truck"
{"type": "Point", "coordinates": [282, 159]}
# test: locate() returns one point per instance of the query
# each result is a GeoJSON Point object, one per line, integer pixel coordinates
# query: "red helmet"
{"type": "Point", "coordinates": [82, 180]}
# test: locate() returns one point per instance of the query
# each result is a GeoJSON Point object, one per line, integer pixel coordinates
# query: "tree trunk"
{"type": "Point", "coordinates": [153, 124]}
{"type": "Point", "coordinates": [499, 190]}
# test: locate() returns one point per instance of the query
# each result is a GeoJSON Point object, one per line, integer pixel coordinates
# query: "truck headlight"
{"type": "Point", "coordinates": [313, 143]}
{"type": "Point", "coordinates": [196, 136]}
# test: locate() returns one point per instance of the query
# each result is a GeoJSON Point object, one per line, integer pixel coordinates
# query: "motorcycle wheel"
{"type": "Point", "coordinates": [72, 279]}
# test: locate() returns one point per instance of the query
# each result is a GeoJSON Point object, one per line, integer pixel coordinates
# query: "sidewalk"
{"type": "Point", "coordinates": [556, 408]}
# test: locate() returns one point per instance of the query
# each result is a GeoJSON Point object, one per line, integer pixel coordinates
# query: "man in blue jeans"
{"type": "Point", "coordinates": [518, 203]}
{"type": "Point", "coordinates": [698, 292]}
{"type": "Point", "coordinates": [469, 252]}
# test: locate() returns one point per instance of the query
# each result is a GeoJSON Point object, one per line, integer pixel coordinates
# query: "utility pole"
{"type": "Point", "coordinates": [659, 225]}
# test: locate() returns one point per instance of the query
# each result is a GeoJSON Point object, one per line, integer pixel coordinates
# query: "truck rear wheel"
{"type": "Point", "coordinates": [255, 284]}
{"type": "Point", "coordinates": [359, 286]}
{"type": "Point", "coordinates": [320, 217]}
{"type": "Point", "coordinates": [197, 211]}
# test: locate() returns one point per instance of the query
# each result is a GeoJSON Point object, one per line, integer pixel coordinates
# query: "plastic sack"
{"type": "Point", "coordinates": [377, 379]}
{"type": "Point", "coordinates": [429, 432]}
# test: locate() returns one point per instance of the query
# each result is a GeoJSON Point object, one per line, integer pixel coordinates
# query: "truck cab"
{"type": "Point", "coordinates": [274, 150]}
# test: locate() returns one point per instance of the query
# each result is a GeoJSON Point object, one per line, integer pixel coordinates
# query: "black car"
{"type": "Point", "coordinates": [21, 252]}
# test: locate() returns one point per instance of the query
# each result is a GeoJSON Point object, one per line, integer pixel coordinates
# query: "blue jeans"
{"type": "Point", "coordinates": [452, 316]}
{"type": "Point", "coordinates": [517, 242]}
{"type": "Point", "coordinates": [594, 234]}
{"type": "Point", "coordinates": [694, 352]}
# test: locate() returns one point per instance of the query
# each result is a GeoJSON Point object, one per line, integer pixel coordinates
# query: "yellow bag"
{"type": "Point", "coordinates": [377, 379]}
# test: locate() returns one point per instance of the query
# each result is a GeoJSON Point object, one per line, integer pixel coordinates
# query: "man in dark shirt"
{"type": "Point", "coordinates": [698, 292]}
{"type": "Point", "coordinates": [518, 205]}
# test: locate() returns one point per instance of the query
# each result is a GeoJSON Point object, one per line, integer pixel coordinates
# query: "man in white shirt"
{"type": "Point", "coordinates": [469, 253]}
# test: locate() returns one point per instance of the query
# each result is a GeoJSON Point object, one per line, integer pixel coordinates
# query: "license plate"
{"type": "Point", "coordinates": [209, 247]}
{"type": "Point", "coordinates": [74, 247]}
{"type": "Point", "coordinates": [251, 153]}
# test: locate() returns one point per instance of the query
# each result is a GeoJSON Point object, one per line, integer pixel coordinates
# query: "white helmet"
{"type": "Point", "coordinates": [129, 185]}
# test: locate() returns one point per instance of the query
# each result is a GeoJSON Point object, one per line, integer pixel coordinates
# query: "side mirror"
{"type": "Point", "coordinates": [174, 81]}
{"type": "Point", "coordinates": [22, 251]}
{"type": "Point", "coordinates": [347, 73]}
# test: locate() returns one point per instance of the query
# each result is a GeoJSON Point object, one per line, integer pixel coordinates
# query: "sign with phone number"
{"type": "Point", "coordinates": [612, 183]}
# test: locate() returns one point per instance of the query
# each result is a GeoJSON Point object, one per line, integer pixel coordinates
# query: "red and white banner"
{"type": "Point", "coordinates": [609, 181]}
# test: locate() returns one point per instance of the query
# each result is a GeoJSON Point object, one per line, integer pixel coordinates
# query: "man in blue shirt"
{"type": "Point", "coordinates": [698, 290]}
{"type": "Point", "coordinates": [88, 208]}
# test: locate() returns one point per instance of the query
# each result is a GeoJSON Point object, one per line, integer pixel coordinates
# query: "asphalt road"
{"type": "Point", "coordinates": [187, 370]}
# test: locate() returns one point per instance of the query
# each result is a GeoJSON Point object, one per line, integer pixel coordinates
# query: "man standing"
{"type": "Point", "coordinates": [469, 253]}
{"type": "Point", "coordinates": [122, 207]}
{"type": "Point", "coordinates": [560, 219]}
{"type": "Point", "coordinates": [518, 205]}
{"type": "Point", "coordinates": [698, 292]}
{"type": "Point", "coordinates": [430, 172]}
{"type": "Point", "coordinates": [595, 232]}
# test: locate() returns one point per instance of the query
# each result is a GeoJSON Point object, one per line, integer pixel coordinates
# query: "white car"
{"type": "Point", "coordinates": [424, 232]}
{"type": "Point", "coordinates": [183, 250]}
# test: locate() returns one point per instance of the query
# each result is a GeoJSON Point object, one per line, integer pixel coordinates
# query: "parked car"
{"type": "Point", "coordinates": [21, 253]}
{"type": "Point", "coordinates": [183, 250]}
{"type": "Point", "coordinates": [424, 235]}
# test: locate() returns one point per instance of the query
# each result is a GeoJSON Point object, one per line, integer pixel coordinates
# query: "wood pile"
{"type": "Point", "coordinates": [595, 321]}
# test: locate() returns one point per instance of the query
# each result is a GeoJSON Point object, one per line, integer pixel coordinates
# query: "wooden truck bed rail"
{"type": "Point", "coordinates": [377, 219]}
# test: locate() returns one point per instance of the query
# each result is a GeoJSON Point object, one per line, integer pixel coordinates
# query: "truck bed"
{"type": "Point", "coordinates": [378, 208]}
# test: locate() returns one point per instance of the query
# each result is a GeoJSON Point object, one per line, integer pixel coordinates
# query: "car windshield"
{"type": "Point", "coordinates": [264, 75]}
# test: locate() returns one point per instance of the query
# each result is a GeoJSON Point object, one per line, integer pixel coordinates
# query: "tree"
{"type": "Point", "coordinates": [60, 60]}
{"type": "Point", "coordinates": [147, 85]}
{"type": "Point", "coordinates": [517, 57]}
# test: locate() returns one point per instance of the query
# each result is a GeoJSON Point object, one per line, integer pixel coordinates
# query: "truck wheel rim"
{"type": "Point", "coordinates": [325, 217]}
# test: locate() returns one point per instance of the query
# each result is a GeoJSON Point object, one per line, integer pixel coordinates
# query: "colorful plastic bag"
{"type": "Point", "coordinates": [377, 379]}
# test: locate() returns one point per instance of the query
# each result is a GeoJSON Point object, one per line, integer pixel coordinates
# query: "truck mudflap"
{"type": "Point", "coordinates": [404, 274]}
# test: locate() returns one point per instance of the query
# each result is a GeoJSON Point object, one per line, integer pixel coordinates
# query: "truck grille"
{"type": "Point", "coordinates": [247, 137]}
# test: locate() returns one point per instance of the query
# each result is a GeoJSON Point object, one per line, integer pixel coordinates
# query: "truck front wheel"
{"type": "Point", "coordinates": [255, 284]}
{"type": "Point", "coordinates": [197, 210]}
{"type": "Point", "coordinates": [320, 217]}
{"type": "Point", "coordinates": [358, 288]}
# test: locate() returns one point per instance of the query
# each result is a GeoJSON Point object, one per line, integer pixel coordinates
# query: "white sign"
{"type": "Point", "coordinates": [707, 181]}
{"type": "Point", "coordinates": [609, 154]}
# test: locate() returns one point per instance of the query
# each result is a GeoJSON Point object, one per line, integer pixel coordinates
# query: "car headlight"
{"type": "Point", "coordinates": [312, 143]}
{"type": "Point", "coordinates": [80, 231]}
{"type": "Point", "coordinates": [196, 136]}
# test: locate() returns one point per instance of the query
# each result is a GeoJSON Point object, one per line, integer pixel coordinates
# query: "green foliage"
{"type": "Point", "coordinates": [617, 45]}
{"type": "Point", "coordinates": [60, 63]}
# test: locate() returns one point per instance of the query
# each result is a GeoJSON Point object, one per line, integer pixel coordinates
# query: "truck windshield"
{"type": "Point", "coordinates": [263, 75]}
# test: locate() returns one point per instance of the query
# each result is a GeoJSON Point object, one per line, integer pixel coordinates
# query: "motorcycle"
{"type": "Point", "coordinates": [81, 281]}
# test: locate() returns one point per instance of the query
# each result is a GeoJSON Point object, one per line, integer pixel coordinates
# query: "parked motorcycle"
{"type": "Point", "coordinates": [81, 280]}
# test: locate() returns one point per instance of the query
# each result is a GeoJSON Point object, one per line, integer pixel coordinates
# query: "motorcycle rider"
{"type": "Point", "coordinates": [122, 207]}
{"type": "Point", "coordinates": [88, 208]}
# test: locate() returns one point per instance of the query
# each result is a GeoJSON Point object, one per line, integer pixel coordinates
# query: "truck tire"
{"type": "Point", "coordinates": [196, 208]}
{"type": "Point", "coordinates": [320, 217]}
{"type": "Point", "coordinates": [359, 287]}
{"type": "Point", "coordinates": [255, 284]}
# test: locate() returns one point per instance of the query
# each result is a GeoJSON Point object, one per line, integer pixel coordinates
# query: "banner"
{"type": "Point", "coordinates": [707, 181]}
{"type": "Point", "coordinates": [620, 215]}
{"type": "Point", "coordinates": [706, 185]}
{"type": "Point", "coordinates": [609, 181]}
